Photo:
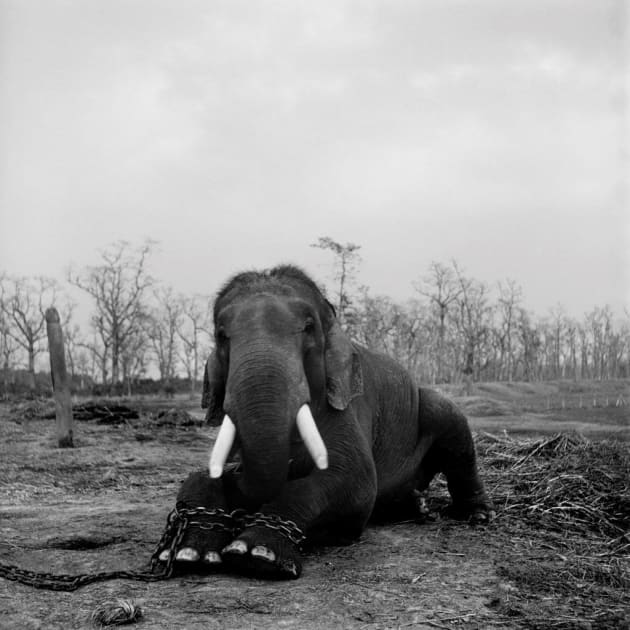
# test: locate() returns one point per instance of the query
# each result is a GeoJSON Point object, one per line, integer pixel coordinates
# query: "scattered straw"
{"type": "Point", "coordinates": [565, 503]}
{"type": "Point", "coordinates": [116, 613]}
{"type": "Point", "coordinates": [564, 483]}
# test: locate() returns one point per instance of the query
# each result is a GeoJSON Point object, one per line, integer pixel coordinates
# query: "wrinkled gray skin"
{"type": "Point", "coordinates": [278, 346]}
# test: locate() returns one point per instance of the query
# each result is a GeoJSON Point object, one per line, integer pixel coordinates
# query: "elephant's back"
{"type": "Point", "coordinates": [394, 397]}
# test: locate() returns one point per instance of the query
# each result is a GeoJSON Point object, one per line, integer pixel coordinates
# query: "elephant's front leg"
{"type": "Point", "coordinates": [206, 505]}
{"type": "Point", "coordinates": [342, 495]}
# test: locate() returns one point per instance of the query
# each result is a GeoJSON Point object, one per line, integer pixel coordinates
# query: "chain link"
{"type": "Point", "coordinates": [212, 519]}
{"type": "Point", "coordinates": [171, 538]}
{"type": "Point", "coordinates": [271, 521]}
{"type": "Point", "coordinates": [177, 523]}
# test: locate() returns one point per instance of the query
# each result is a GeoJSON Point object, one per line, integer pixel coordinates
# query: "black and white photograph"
{"type": "Point", "coordinates": [315, 315]}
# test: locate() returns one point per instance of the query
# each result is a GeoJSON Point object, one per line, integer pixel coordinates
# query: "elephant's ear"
{"type": "Point", "coordinates": [213, 392]}
{"type": "Point", "coordinates": [344, 378]}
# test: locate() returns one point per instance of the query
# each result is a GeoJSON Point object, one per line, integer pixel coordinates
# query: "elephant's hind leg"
{"type": "Point", "coordinates": [470, 500]}
{"type": "Point", "coordinates": [453, 453]}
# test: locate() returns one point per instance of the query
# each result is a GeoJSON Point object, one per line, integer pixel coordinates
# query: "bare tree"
{"type": "Point", "coordinates": [99, 350]}
{"type": "Point", "coordinates": [378, 318]}
{"type": "Point", "coordinates": [118, 286]}
{"type": "Point", "coordinates": [472, 321]}
{"type": "Point", "coordinates": [82, 363]}
{"type": "Point", "coordinates": [510, 296]}
{"type": "Point", "coordinates": [571, 341]}
{"type": "Point", "coordinates": [134, 358]}
{"type": "Point", "coordinates": [442, 288]}
{"type": "Point", "coordinates": [161, 329]}
{"type": "Point", "coordinates": [398, 330]}
{"type": "Point", "coordinates": [346, 261]}
{"type": "Point", "coordinates": [192, 325]}
{"type": "Point", "coordinates": [8, 346]}
{"type": "Point", "coordinates": [23, 305]}
{"type": "Point", "coordinates": [72, 339]}
{"type": "Point", "coordinates": [599, 326]}
{"type": "Point", "coordinates": [555, 336]}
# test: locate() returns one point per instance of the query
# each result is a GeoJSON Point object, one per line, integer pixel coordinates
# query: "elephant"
{"type": "Point", "coordinates": [327, 433]}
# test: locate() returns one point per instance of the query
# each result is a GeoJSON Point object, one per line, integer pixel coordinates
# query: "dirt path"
{"type": "Point", "coordinates": [102, 506]}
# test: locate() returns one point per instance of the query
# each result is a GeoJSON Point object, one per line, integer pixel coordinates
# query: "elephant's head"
{"type": "Point", "coordinates": [280, 358]}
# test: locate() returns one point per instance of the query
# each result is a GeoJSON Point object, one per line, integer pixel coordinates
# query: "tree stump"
{"type": "Point", "coordinates": [61, 386]}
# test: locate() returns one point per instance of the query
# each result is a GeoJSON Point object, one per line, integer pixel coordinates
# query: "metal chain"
{"type": "Point", "coordinates": [177, 523]}
{"type": "Point", "coordinates": [212, 519]}
{"type": "Point", "coordinates": [271, 521]}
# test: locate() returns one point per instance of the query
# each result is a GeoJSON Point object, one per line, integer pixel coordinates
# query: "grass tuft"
{"type": "Point", "coordinates": [116, 613]}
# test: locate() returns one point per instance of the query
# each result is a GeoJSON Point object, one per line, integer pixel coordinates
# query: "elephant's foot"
{"type": "Point", "coordinates": [264, 552]}
{"type": "Point", "coordinates": [196, 553]}
{"type": "Point", "coordinates": [206, 534]}
{"type": "Point", "coordinates": [476, 513]}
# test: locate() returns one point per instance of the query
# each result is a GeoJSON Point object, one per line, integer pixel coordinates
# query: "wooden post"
{"type": "Point", "coordinates": [61, 387]}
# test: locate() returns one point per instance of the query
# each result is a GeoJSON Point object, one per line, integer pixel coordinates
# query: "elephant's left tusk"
{"type": "Point", "coordinates": [312, 439]}
{"type": "Point", "coordinates": [221, 448]}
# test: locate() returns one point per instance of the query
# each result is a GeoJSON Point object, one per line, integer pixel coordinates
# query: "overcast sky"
{"type": "Point", "coordinates": [236, 133]}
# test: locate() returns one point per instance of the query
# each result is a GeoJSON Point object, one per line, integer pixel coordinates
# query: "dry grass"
{"type": "Point", "coordinates": [566, 503]}
{"type": "Point", "coordinates": [116, 613]}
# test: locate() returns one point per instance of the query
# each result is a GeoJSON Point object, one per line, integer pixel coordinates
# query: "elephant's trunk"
{"type": "Point", "coordinates": [306, 428]}
{"type": "Point", "coordinates": [266, 396]}
{"type": "Point", "coordinates": [263, 394]}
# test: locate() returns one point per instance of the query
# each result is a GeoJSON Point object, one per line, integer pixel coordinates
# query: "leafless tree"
{"type": "Point", "coordinates": [377, 321]}
{"type": "Point", "coordinates": [99, 350]}
{"type": "Point", "coordinates": [134, 358]}
{"type": "Point", "coordinates": [24, 303]}
{"type": "Point", "coordinates": [82, 363]}
{"type": "Point", "coordinates": [192, 326]}
{"type": "Point", "coordinates": [442, 288]}
{"type": "Point", "coordinates": [8, 346]}
{"type": "Point", "coordinates": [72, 339]}
{"type": "Point", "coordinates": [346, 260]}
{"type": "Point", "coordinates": [599, 325]}
{"type": "Point", "coordinates": [472, 321]}
{"type": "Point", "coordinates": [161, 329]}
{"type": "Point", "coordinates": [555, 335]}
{"type": "Point", "coordinates": [510, 296]}
{"type": "Point", "coordinates": [118, 286]}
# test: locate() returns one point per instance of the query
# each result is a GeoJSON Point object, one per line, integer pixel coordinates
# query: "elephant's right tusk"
{"type": "Point", "coordinates": [221, 448]}
{"type": "Point", "coordinates": [311, 437]}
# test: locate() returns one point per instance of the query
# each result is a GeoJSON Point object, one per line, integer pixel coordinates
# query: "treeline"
{"type": "Point", "coordinates": [138, 327]}
{"type": "Point", "coordinates": [454, 329]}
{"type": "Point", "coordinates": [458, 329]}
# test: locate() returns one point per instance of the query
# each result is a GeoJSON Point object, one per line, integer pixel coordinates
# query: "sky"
{"type": "Point", "coordinates": [236, 133]}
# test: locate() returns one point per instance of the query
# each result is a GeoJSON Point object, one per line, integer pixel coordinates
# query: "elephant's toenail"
{"type": "Point", "coordinates": [264, 553]}
{"type": "Point", "coordinates": [238, 547]}
{"type": "Point", "coordinates": [187, 555]}
{"type": "Point", "coordinates": [163, 557]}
{"type": "Point", "coordinates": [212, 557]}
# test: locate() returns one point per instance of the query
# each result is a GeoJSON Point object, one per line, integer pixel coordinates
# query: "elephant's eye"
{"type": "Point", "coordinates": [221, 335]}
{"type": "Point", "coordinates": [309, 326]}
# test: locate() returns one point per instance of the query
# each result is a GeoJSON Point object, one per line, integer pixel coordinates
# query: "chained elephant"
{"type": "Point", "coordinates": [326, 433]}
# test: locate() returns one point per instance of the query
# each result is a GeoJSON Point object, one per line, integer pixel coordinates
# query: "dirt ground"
{"type": "Point", "coordinates": [102, 506]}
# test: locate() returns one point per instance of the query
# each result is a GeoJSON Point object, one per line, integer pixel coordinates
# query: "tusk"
{"type": "Point", "coordinates": [311, 437]}
{"type": "Point", "coordinates": [221, 448]}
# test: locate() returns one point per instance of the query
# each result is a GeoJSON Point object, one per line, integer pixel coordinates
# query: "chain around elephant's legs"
{"type": "Point", "coordinates": [211, 524]}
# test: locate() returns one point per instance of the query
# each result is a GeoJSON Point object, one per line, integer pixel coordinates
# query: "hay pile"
{"type": "Point", "coordinates": [32, 409]}
{"type": "Point", "coordinates": [174, 418]}
{"type": "Point", "coordinates": [565, 502]}
{"type": "Point", "coordinates": [561, 483]}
